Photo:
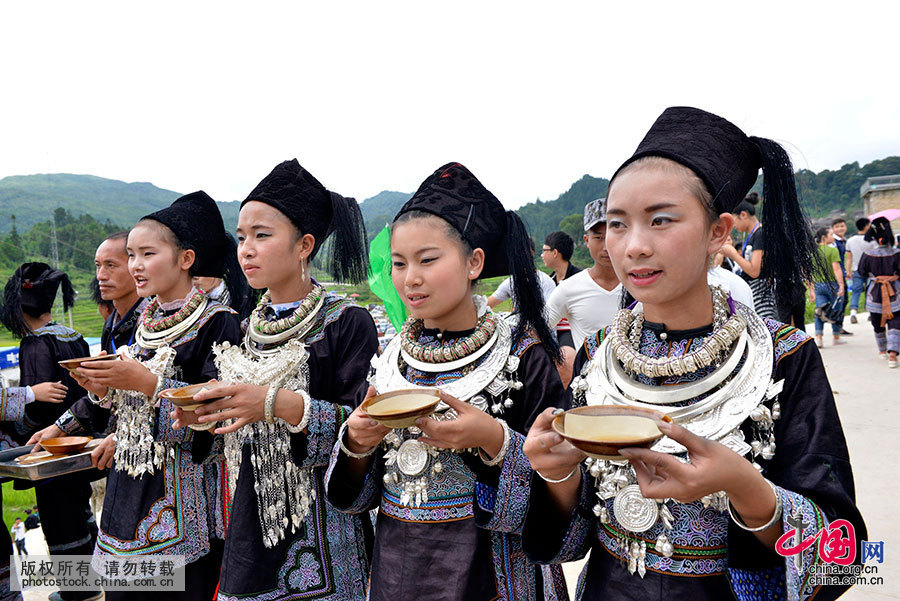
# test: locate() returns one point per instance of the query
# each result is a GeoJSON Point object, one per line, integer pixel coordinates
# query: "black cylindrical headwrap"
{"type": "Point", "coordinates": [455, 195]}
{"type": "Point", "coordinates": [715, 149]}
{"type": "Point", "coordinates": [314, 210]}
{"type": "Point", "coordinates": [728, 161]}
{"type": "Point", "coordinates": [196, 222]}
{"type": "Point", "coordinates": [32, 290]}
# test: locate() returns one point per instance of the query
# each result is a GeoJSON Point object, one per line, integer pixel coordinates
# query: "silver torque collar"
{"type": "Point", "coordinates": [713, 417]}
{"type": "Point", "coordinates": [387, 375]}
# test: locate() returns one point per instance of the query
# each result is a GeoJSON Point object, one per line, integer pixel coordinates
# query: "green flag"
{"type": "Point", "coordinates": [380, 278]}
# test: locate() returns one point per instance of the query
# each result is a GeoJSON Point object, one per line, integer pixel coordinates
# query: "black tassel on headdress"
{"type": "Point", "coordinates": [529, 300]}
{"type": "Point", "coordinates": [349, 252]}
{"type": "Point", "coordinates": [790, 256]}
{"type": "Point", "coordinates": [240, 296]}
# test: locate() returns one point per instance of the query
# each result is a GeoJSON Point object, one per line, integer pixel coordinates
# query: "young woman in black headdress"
{"type": "Point", "coordinates": [299, 373]}
{"type": "Point", "coordinates": [756, 445]}
{"type": "Point", "coordinates": [881, 267]}
{"type": "Point", "coordinates": [158, 500]}
{"type": "Point", "coordinates": [65, 501]}
{"type": "Point", "coordinates": [45, 391]}
{"type": "Point", "coordinates": [452, 490]}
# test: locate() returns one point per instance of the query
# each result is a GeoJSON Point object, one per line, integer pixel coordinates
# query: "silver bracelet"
{"type": "Point", "coordinates": [160, 381]}
{"type": "Point", "coordinates": [504, 448]}
{"type": "Point", "coordinates": [775, 517]}
{"type": "Point", "coordinates": [575, 470]}
{"type": "Point", "coordinates": [347, 451]}
{"type": "Point", "coordinates": [269, 407]}
{"type": "Point", "coordinates": [304, 421]}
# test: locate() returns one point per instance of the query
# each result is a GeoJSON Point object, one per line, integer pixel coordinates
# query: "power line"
{"type": "Point", "coordinates": [73, 267]}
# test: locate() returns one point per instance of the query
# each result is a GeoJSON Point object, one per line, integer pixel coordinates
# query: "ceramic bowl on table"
{"type": "Point", "coordinates": [401, 408]}
{"type": "Point", "coordinates": [602, 431]}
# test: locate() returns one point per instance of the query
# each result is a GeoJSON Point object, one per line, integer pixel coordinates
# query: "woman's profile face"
{"type": "Point", "coordinates": [743, 221]}
{"type": "Point", "coordinates": [658, 235]}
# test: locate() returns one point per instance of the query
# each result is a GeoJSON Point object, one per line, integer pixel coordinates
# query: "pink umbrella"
{"type": "Point", "coordinates": [889, 214]}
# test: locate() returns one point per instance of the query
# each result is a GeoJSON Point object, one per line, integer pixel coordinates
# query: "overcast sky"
{"type": "Point", "coordinates": [375, 95]}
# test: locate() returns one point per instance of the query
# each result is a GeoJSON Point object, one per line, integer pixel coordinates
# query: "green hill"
{"type": "Point", "coordinates": [380, 209]}
{"type": "Point", "coordinates": [829, 191]}
{"type": "Point", "coordinates": [33, 198]}
{"type": "Point", "coordinates": [541, 218]}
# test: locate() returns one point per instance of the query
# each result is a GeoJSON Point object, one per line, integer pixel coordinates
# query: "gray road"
{"type": "Point", "coordinates": [868, 398]}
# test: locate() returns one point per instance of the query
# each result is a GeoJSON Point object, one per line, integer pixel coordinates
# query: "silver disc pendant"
{"type": "Point", "coordinates": [412, 457]}
{"type": "Point", "coordinates": [633, 511]}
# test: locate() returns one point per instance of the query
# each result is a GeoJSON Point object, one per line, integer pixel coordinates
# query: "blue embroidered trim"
{"type": "Point", "coordinates": [60, 331]}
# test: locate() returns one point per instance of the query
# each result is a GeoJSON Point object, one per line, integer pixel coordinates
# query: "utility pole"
{"type": "Point", "coordinates": [54, 255]}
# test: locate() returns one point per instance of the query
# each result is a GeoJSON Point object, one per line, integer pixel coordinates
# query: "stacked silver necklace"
{"type": "Point", "coordinates": [272, 357]}
{"type": "Point", "coordinates": [410, 463]}
{"type": "Point", "coordinates": [740, 383]}
{"type": "Point", "coordinates": [137, 452]}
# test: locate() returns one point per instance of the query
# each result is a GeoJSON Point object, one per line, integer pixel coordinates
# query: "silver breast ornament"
{"type": "Point", "coordinates": [412, 457]}
{"type": "Point", "coordinates": [633, 511]}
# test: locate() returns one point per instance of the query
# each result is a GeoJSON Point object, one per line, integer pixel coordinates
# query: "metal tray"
{"type": "Point", "coordinates": [45, 469]}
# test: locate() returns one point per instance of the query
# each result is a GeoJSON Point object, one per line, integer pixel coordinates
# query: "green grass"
{"type": "Point", "coordinates": [15, 502]}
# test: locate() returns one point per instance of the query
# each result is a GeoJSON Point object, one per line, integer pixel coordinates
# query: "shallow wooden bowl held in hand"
{"type": "Point", "coordinates": [401, 408]}
{"type": "Point", "coordinates": [184, 399]}
{"type": "Point", "coordinates": [65, 444]}
{"type": "Point", "coordinates": [602, 430]}
{"type": "Point", "coordinates": [73, 364]}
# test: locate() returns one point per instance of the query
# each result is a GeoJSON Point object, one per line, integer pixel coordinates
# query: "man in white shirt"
{"type": "Point", "coordinates": [505, 290]}
{"type": "Point", "coordinates": [590, 298]}
{"type": "Point", "coordinates": [18, 531]}
{"type": "Point", "coordinates": [856, 248]}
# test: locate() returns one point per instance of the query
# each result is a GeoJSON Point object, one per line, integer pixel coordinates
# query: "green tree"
{"type": "Point", "coordinates": [574, 226]}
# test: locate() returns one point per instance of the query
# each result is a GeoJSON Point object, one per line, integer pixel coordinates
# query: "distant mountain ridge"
{"type": "Point", "coordinates": [33, 198]}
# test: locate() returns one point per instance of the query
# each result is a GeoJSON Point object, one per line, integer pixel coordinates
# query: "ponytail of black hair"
{"type": "Point", "coordinates": [241, 296]}
{"type": "Point", "coordinates": [790, 256]}
{"type": "Point", "coordinates": [526, 287]}
{"type": "Point", "coordinates": [68, 292]}
{"type": "Point", "coordinates": [349, 249]}
{"type": "Point", "coordinates": [11, 315]}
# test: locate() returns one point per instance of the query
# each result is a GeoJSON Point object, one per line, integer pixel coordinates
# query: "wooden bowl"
{"type": "Point", "coordinates": [602, 430]}
{"type": "Point", "coordinates": [401, 408]}
{"type": "Point", "coordinates": [73, 364]}
{"type": "Point", "coordinates": [184, 398]}
{"type": "Point", "coordinates": [65, 444]}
